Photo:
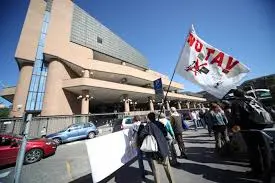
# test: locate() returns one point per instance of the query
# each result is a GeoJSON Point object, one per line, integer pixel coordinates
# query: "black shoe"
{"type": "Point", "coordinates": [183, 155]}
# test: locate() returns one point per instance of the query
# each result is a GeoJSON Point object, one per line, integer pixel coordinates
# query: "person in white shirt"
{"type": "Point", "coordinates": [194, 119]}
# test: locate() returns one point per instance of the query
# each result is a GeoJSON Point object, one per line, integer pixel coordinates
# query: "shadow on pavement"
{"type": "Point", "coordinates": [123, 175]}
{"type": "Point", "coordinates": [126, 174]}
{"type": "Point", "coordinates": [207, 155]}
{"type": "Point", "coordinates": [214, 174]}
{"type": "Point", "coordinates": [84, 179]}
{"type": "Point", "coordinates": [194, 136]}
{"type": "Point", "coordinates": [199, 141]}
{"type": "Point", "coordinates": [130, 174]}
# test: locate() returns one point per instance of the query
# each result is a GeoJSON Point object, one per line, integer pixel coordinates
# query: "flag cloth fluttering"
{"type": "Point", "coordinates": [213, 70]}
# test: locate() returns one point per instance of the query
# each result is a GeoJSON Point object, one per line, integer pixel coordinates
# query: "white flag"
{"type": "Point", "coordinates": [208, 67]}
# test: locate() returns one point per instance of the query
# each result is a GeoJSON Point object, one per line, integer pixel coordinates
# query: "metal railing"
{"type": "Point", "coordinates": [54, 124]}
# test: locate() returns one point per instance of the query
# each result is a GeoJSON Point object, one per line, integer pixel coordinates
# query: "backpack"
{"type": "Point", "coordinates": [257, 113]}
{"type": "Point", "coordinates": [149, 144]}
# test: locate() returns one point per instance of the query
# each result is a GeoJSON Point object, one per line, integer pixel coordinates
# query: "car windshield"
{"type": "Point", "coordinates": [63, 130]}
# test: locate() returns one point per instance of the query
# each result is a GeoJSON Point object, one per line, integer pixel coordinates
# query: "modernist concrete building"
{"type": "Point", "coordinates": [71, 64]}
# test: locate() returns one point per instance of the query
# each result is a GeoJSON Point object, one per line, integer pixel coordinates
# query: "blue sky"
{"type": "Point", "coordinates": [158, 28]}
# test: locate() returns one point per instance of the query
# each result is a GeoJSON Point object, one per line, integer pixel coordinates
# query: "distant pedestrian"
{"type": "Point", "coordinates": [208, 121]}
{"type": "Point", "coordinates": [176, 122]}
{"type": "Point", "coordinates": [193, 116]}
{"type": "Point", "coordinates": [161, 156]}
{"type": "Point", "coordinates": [202, 112]}
{"type": "Point", "coordinates": [43, 132]}
{"type": "Point", "coordinates": [219, 122]}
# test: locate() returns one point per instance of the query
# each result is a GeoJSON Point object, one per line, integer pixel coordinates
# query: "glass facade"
{"type": "Point", "coordinates": [39, 73]}
{"type": "Point", "coordinates": [88, 32]}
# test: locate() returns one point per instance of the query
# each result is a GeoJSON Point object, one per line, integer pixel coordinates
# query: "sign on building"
{"type": "Point", "coordinates": [158, 90]}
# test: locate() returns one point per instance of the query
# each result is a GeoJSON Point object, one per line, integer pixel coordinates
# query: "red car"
{"type": "Point", "coordinates": [36, 149]}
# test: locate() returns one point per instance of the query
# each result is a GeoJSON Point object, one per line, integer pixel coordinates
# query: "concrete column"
{"type": "Point", "coordinates": [151, 104]}
{"type": "Point", "coordinates": [56, 100]}
{"type": "Point", "coordinates": [194, 105]}
{"type": "Point", "coordinates": [188, 105]}
{"type": "Point", "coordinates": [86, 74]}
{"type": "Point", "coordinates": [167, 105]}
{"type": "Point", "coordinates": [21, 92]}
{"type": "Point", "coordinates": [179, 105]}
{"type": "Point", "coordinates": [85, 102]}
{"type": "Point", "coordinates": [126, 106]}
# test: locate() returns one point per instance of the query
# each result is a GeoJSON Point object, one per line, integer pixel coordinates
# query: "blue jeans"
{"type": "Point", "coordinates": [195, 123]}
{"type": "Point", "coordinates": [140, 162]}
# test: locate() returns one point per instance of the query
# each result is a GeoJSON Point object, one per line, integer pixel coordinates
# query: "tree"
{"type": "Point", "coordinates": [4, 112]}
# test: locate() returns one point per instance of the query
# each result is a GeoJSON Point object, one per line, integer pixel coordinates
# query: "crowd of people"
{"type": "Point", "coordinates": [156, 137]}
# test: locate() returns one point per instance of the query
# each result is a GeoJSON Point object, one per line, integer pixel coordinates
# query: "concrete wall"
{"type": "Point", "coordinates": [82, 82]}
{"type": "Point", "coordinates": [56, 100]}
{"type": "Point", "coordinates": [58, 36]}
{"type": "Point", "coordinates": [21, 91]}
{"type": "Point", "coordinates": [28, 41]}
{"type": "Point", "coordinates": [130, 71]}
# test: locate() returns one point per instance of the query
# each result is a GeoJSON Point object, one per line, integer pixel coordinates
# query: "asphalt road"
{"type": "Point", "coordinates": [71, 164]}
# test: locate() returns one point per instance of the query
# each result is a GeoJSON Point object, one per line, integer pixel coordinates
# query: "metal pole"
{"type": "Point", "coordinates": [165, 98]}
{"type": "Point", "coordinates": [21, 154]}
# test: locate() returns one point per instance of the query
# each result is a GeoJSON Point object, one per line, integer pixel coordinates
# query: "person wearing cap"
{"type": "Point", "coordinates": [176, 122]}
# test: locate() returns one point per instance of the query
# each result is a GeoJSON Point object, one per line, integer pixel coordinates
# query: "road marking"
{"type": "Point", "coordinates": [68, 166]}
{"type": "Point", "coordinates": [5, 174]}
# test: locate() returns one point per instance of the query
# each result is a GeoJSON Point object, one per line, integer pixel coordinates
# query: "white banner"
{"type": "Point", "coordinates": [208, 67]}
{"type": "Point", "coordinates": [108, 153]}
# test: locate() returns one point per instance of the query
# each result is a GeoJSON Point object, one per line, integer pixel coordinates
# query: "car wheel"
{"type": "Point", "coordinates": [57, 141]}
{"type": "Point", "coordinates": [91, 135]}
{"type": "Point", "coordinates": [33, 156]}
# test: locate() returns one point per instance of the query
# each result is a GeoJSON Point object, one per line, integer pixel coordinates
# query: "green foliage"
{"type": "Point", "coordinates": [4, 112]}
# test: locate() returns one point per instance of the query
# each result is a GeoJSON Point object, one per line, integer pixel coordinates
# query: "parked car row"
{"type": "Point", "coordinates": [38, 148]}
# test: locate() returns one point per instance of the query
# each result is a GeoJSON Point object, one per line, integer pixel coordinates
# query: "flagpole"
{"type": "Point", "coordinates": [165, 97]}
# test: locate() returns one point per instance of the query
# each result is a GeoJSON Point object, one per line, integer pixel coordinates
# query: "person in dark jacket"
{"type": "Point", "coordinates": [257, 146]}
{"type": "Point", "coordinates": [160, 157]}
{"type": "Point", "coordinates": [176, 122]}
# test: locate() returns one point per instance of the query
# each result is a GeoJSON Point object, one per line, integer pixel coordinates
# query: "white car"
{"type": "Point", "coordinates": [123, 123]}
{"type": "Point", "coordinates": [127, 123]}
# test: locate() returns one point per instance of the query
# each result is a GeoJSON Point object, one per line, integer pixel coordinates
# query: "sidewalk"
{"type": "Point", "coordinates": [202, 166]}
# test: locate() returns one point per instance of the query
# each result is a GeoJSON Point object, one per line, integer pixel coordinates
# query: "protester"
{"type": "Point", "coordinates": [193, 116]}
{"type": "Point", "coordinates": [257, 146]}
{"type": "Point", "coordinates": [228, 113]}
{"type": "Point", "coordinates": [176, 122]}
{"type": "Point", "coordinates": [219, 122]}
{"type": "Point", "coordinates": [135, 128]}
{"type": "Point", "coordinates": [161, 156]}
{"type": "Point", "coordinates": [170, 138]}
{"type": "Point", "coordinates": [207, 119]}
{"type": "Point", "coordinates": [202, 113]}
